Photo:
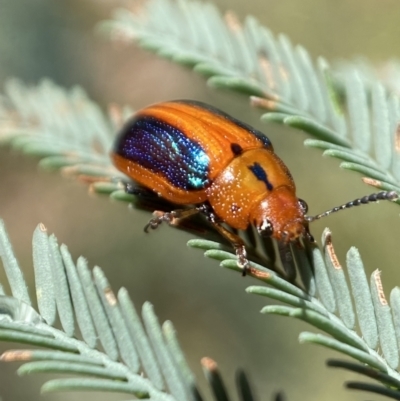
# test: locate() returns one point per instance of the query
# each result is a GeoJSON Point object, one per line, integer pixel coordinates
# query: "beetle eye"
{"type": "Point", "coordinates": [266, 229]}
{"type": "Point", "coordinates": [303, 205]}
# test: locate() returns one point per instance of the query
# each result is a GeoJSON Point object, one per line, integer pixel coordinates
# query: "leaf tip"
{"type": "Point", "coordinates": [16, 355]}
{"type": "Point", "coordinates": [377, 282]}
{"type": "Point", "coordinates": [329, 249]}
{"type": "Point", "coordinates": [110, 296]}
{"type": "Point", "coordinates": [209, 364]}
{"type": "Point", "coordinates": [41, 227]}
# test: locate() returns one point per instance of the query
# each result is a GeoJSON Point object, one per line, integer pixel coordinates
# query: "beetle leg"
{"type": "Point", "coordinates": [308, 234]}
{"type": "Point", "coordinates": [169, 217]}
{"type": "Point", "coordinates": [237, 243]}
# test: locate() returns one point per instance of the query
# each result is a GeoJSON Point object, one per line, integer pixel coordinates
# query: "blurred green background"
{"type": "Point", "coordinates": [209, 307]}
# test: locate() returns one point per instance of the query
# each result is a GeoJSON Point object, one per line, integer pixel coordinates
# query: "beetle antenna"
{"type": "Point", "coordinates": [384, 195]}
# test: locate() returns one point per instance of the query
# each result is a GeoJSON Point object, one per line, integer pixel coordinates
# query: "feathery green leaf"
{"type": "Point", "coordinates": [282, 78]}
{"type": "Point", "coordinates": [337, 345]}
{"type": "Point", "coordinates": [62, 296]}
{"type": "Point", "coordinates": [388, 341]}
{"type": "Point", "coordinates": [338, 280]}
{"type": "Point", "coordinates": [365, 370]}
{"type": "Point", "coordinates": [362, 298]}
{"type": "Point", "coordinates": [45, 293]}
{"type": "Point", "coordinates": [83, 317]}
{"type": "Point", "coordinates": [83, 384]}
{"type": "Point", "coordinates": [140, 339]}
{"type": "Point", "coordinates": [374, 388]}
{"type": "Point", "coordinates": [124, 341]}
{"type": "Point", "coordinates": [14, 274]}
{"type": "Point", "coordinates": [92, 303]}
{"type": "Point", "coordinates": [169, 368]}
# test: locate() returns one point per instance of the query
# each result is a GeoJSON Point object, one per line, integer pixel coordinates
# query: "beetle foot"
{"type": "Point", "coordinates": [242, 260]}
{"type": "Point", "coordinates": [158, 218]}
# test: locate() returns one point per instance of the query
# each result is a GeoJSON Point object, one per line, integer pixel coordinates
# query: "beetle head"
{"type": "Point", "coordinates": [280, 215]}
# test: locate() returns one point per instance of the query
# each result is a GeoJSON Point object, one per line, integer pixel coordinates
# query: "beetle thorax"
{"type": "Point", "coordinates": [246, 181]}
{"type": "Point", "coordinates": [279, 215]}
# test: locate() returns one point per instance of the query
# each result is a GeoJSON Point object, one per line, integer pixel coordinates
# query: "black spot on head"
{"type": "Point", "coordinates": [261, 175]}
{"type": "Point", "coordinates": [236, 149]}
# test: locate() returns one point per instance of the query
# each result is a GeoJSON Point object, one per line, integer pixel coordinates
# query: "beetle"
{"type": "Point", "coordinates": [200, 158]}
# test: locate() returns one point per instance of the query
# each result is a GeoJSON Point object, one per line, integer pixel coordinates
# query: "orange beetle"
{"type": "Point", "coordinates": [192, 154]}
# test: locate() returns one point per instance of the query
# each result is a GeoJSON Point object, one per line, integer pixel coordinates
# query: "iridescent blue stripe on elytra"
{"type": "Point", "coordinates": [164, 149]}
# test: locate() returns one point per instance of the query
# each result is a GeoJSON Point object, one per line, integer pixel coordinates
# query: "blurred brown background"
{"type": "Point", "coordinates": [209, 307]}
